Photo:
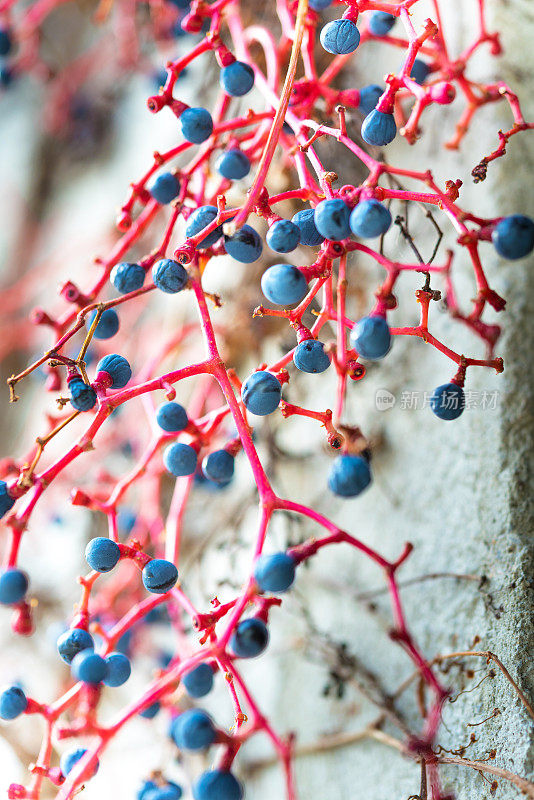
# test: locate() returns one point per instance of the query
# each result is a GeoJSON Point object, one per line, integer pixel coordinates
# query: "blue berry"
{"type": "Point", "coordinates": [6, 501]}
{"type": "Point", "coordinates": [513, 237]}
{"type": "Point", "coordinates": [159, 576]}
{"type": "Point", "coordinates": [369, 97]}
{"type": "Point", "coordinates": [370, 219]}
{"type": "Point", "coordinates": [237, 79]}
{"type": "Point", "coordinates": [200, 219]}
{"type": "Point", "coordinates": [119, 669]}
{"type": "Point", "coordinates": [6, 75]}
{"type": "Point", "coordinates": [165, 188]}
{"type": "Point", "coordinates": [261, 393]}
{"type": "Point", "coordinates": [102, 554]}
{"type": "Point", "coordinates": [274, 573]}
{"type": "Point", "coordinates": [169, 275]}
{"type": "Point", "coordinates": [126, 520]}
{"type": "Point", "coordinates": [379, 128]}
{"type": "Point", "coordinates": [13, 702]}
{"type": "Point", "coordinates": [371, 337]}
{"type": "Point", "coordinates": [349, 476]}
{"type": "Point", "coordinates": [150, 711]}
{"type": "Point", "coordinates": [420, 71]}
{"type": "Point", "coordinates": [233, 165]}
{"type": "Point", "coordinates": [89, 667]}
{"type": "Point", "coordinates": [305, 222]}
{"type": "Point", "coordinates": [380, 23]}
{"type": "Point", "coordinates": [218, 466]}
{"type": "Point", "coordinates": [283, 236]}
{"type": "Point", "coordinates": [72, 642]}
{"type": "Point", "coordinates": [332, 219]}
{"type": "Point", "coordinates": [169, 792]}
{"type": "Point", "coordinates": [217, 784]}
{"type": "Point", "coordinates": [284, 284]}
{"type": "Point", "coordinates": [108, 324]}
{"type": "Point", "coordinates": [448, 401]}
{"type": "Point", "coordinates": [310, 356]}
{"type": "Point", "coordinates": [180, 459]}
{"type": "Point", "coordinates": [198, 682]}
{"type": "Point", "coordinates": [127, 277]}
{"type": "Point", "coordinates": [340, 37]}
{"type": "Point", "coordinates": [117, 368]}
{"type": "Point", "coordinates": [183, 5]}
{"type": "Point", "coordinates": [69, 760]}
{"type": "Point", "coordinates": [319, 5]}
{"type": "Point", "coordinates": [250, 638]}
{"type": "Point", "coordinates": [13, 586]}
{"type": "Point", "coordinates": [82, 396]}
{"type": "Point", "coordinates": [172, 417]}
{"type": "Point", "coordinates": [146, 789]}
{"type": "Point", "coordinates": [193, 730]}
{"type": "Point", "coordinates": [245, 245]}
{"type": "Point", "coordinates": [197, 125]}
{"type": "Point", "coordinates": [5, 42]}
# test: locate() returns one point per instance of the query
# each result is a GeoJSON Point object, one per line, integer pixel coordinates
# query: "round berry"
{"type": "Point", "coordinates": [13, 702]}
{"type": "Point", "coordinates": [13, 586]}
{"type": "Point", "coordinates": [102, 554]}
{"type": "Point", "coordinates": [379, 128]}
{"type": "Point", "coordinates": [165, 188]}
{"type": "Point", "coordinates": [513, 237]}
{"type": "Point", "coordinates": [193, 730]}
{"type": "Point", "coordinates": [233, 165]}
{"type": "Point", "coordinates": [69, 760]}
{"type": "Point", "coordinates": [82, 396]}
{"type": "Point", "coordinates": [108, 324]}
{"type": "Point", "coordinates": [180, 459]}
{"type": "Point", "coordinates": [370, 219]}
{"type": "Point", "coordinates": [380, 23]}
{"type": "Point", "coordinates": [340, 37]}
{"type": "Point", "coordinates": [72, 642]}
{"type": "Point", "coordinates": [332, 219]}
{"type": "Point", "coordinates": [369, 97]}
{"type": "Point", "coordinates": [89, 667]}
{"type": "Point", "coordinates": [305, 222]}
{"type": "Point", "coordinates": [200, 219]}
{"type": "Point", "coordinates": [310, 356]}
{"type": "Point", "coordinates": [6, 501]}
{"type": "Point", "coordinates": [250, 638]}
{"type": "Point", "coordinates": [198, 682]}
{"type": "Point", "coordinates": [217, 784]}
{"type": "Point", "coordinates": [127, 277]}
{"type": "Point", "coordinates": [319, 5]}
{"type": "Point", "coordinates": [150, 711]}
{"type": "Point", "coordinates": [197, 125]}
{"type": "Point", "coordinates": [169, 275]}
{"type": "Point", "coordinates": [119, 669]}
{"type": "Point", "coordinates": [245, 245]}
{"type": "Point", "coordinates": [117, 368]}
{"type": "Point", "coordinates": [261, 393]}
{"type": "Point", "coordinates": [420, 71]}
{"type": "Point", "coordinates": [146, 789]}
{"type": "Point", "coordinates": [172, 417]}
{"type": "Point", "coordinates": [274, 573]}
{"type": "Point", "coordinates": [371, 337]}
{"type": "Point", "coordinates": [284, 284]}
{"type": "Point", "coordinates": [159, 576]}
{"type": "Point", "coordinates": [349, 476]}
{"type": "Point", "coordinates": [237, 79]}
{"type": "Point", "coordinates": [6, 76]}
{"type": "Point", "coordinates": [218, 466]}
{"type": "Point", "coordinates": [5, 42]}
{"type": "Point", "coordinates": [448, 401]}
{"type": "Point", "coordinates": [283, 236]}
{"type": "Point", "coordinates": [169, 792]}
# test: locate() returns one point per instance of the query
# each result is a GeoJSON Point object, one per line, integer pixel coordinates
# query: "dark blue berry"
{"type": "Point", "coordinates": [13, 586]}
{"type": "Point", "coordinates": [108, 324]}
{"type": "Point", "coordinates": [6, 76]}
{"type": "Point", "coordinates": [5, 42]}
{"type": "Point", "coordinates": [198, 682]}
{"type": "Point", "coordinates": [169, 792]}
{"type": "Point", "coordinates": [283, 236]}
{"type": "Point", "coordinates": [284, 284]}
{"type": "Point", "coordinates": [180, 459]}
{"type": "Point", "coordinates": [172, 417]}
{"type": "Point", "coordinates": [349, 476]}
{"type": "Point", "coordinates": [274, 573]}
{"type": "Point", "coordinates": [340, 37]}
{"type": "Point", "coordinates": [380, 23]}
{"type": "Point", "coordinates": [145, 789]}
{"type": "Point", "coordinates": [72, 642]}
{"type": "Point", "coordinates": [305, 222]}
{"type": "Point", "coordinates": [250, 638]}
{"type": "Point", "coordinates": [332, 219]}
{"type": "Point", "coordinates": [233, 165]}
{"type": "Point", "coordinates": [165, 188]}
{"type": "Point", "coordinates": [245, 245]}
{"type": "Point", "coordinates": [379, 128]}
{"type": "Point", "coordinates": [127, 277]}
{"type": "Point", "coordinates": [237, 79]}
{"type": "Point", "coordinates": [218, 466]}
{"type": "Point", "coordinates": [126, 520]}
{"type": "Point", "coordinates": [193, 730]}
{"type": "Point", "coordinates": [159, 576]}
{"type": "Point", "coordinates": [150, 711]}
{"type": "Point", "coordinates": [102, 554]}
{"type": "Point", "coordinates": [117, 368]}
{"type": "Point", "coordinates": [88, 667]}
{"type": "Point", "coordinates": [217, 784]}
{"type": "Point", "coordinates": [319, 5]}
{"type": "Point", "coordinates": [369, 97]}
{"type": "Point", "coordinates": [448, 401]}
{"type": "Point", "coordinates": [69, 760]}
{"type": "Point", "coordinates": [6, 501]}
{"type": "Point", "coordinates": [261, 393]}
{"type": "Point", "coordinates": [310, 356]}
{"type": "Point", "coordinates": [13, 702]}
{"type": "Point", "coordinates": [370, 219]}
{"type": "Point", "coordinates": [371, 337]}
{"type": "Point", "coordinates": [119, 669]}
{"type": "Point", "coordinates": [513, 237]}
{"type": "Point", "coordinates": [420, 71]}
{"type": "Point", "coordinates": [169, 275]}
{"type": "Point", "coordinates": [82, 396]}
{"type": "Point", "coordinates": [197, 125]}
{"type": "Point", "coordinates": [200, 219]}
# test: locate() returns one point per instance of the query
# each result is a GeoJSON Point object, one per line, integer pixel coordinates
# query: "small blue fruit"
{"type": "Point", "coordinates": [371, 337]}
{"type": "Point", "coordinates": [82, 396]}
{"type": "Point", "coordinates": [172, 417]}
{"type": "Point", "coordinates": [237, 79]}
{"type": "Point", "coordinates": [219, 466]}
{"type": "Point", "coordinates": [420, 71]}
{"type": "Point", "coordinates": [5, 42]}
{"type": "Point", "coordinates": [72, 642]}
{"type": "Point", "coordinates": [180, 459]}
{"type": "Point", "coordinates": [349, 476]}
{"type": "Point", "coordinates": [283, 236]}
{"type": "Point", "coordinates": [169, 792]}
{"type": "Point", "coordinates": [217, 784]}
{"type": "Point", "coordinates": [193, 730]}
{"type": "Point", "coordinates": [196, 124]}
{"type": "Point", "coordinates": [150, 711]}
{"type": "Point", "coordinates": [274, 573]}
{"type": "Point", "coordinates": [119, 669]}
{"type": "Point", "coordinates": [369, 97]}
{"type": "Point", "coordinates": [88, 667]}
{"type": "Point", "coordinates": [370, 219]}
{"type": "Point", "coordinates": [448, 401]}
{"type": "Point", "coordinates": [305, 222]}
{"type": "Point", "coordinates": [379, 128]}
{"type": "Point", "coordinates": [245, 245]}
{"type": "Point", "coordinates": [250, 638]}
{"type": "Point", "coordinates": [284, 284]}
{"type": "Point", "coordinates": [332, 219]}
{"type": "Point", "coordinates": [13, 586]}
{"type": "Point", "coordinates": [13, 702]}
{"type": "Point", "coordinates": [380, 23]}
{"type": "Point", "coordinates": [200, 219]}
{"type": "Point", "coordinates": [117, 368]}
{"type": "Point", "coordinates": [319, 5]}
{"type": "Point", "coordinates": [310, 356]}
{"type": "Point", "coordinates": [233, 165]}
{"type": "Point", "coordinates": [127, 277]}
{"type": "Point", "coordinates": [102, 554]}
{"type": "Point", "coordinates": [513, 237]}
{"type": "Point", "coordinates": [6, 501]}
{"type": "Point", "coordinates": [107, 325]}
{"type": "Point", "coordinates": [165, 188]}
{"type": "Point", "coordinates": [69, 760]}
{"type": "Point", "coordinates": [261, 393]}
{"type": "Point", "coordinates": [198, 682]}
{"type": "Point", "coordinates": [340, 37]}
{"type": "Point", "coordinates": [169, 275]}
{"type": "Point", "coordinates": [159, 576]}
